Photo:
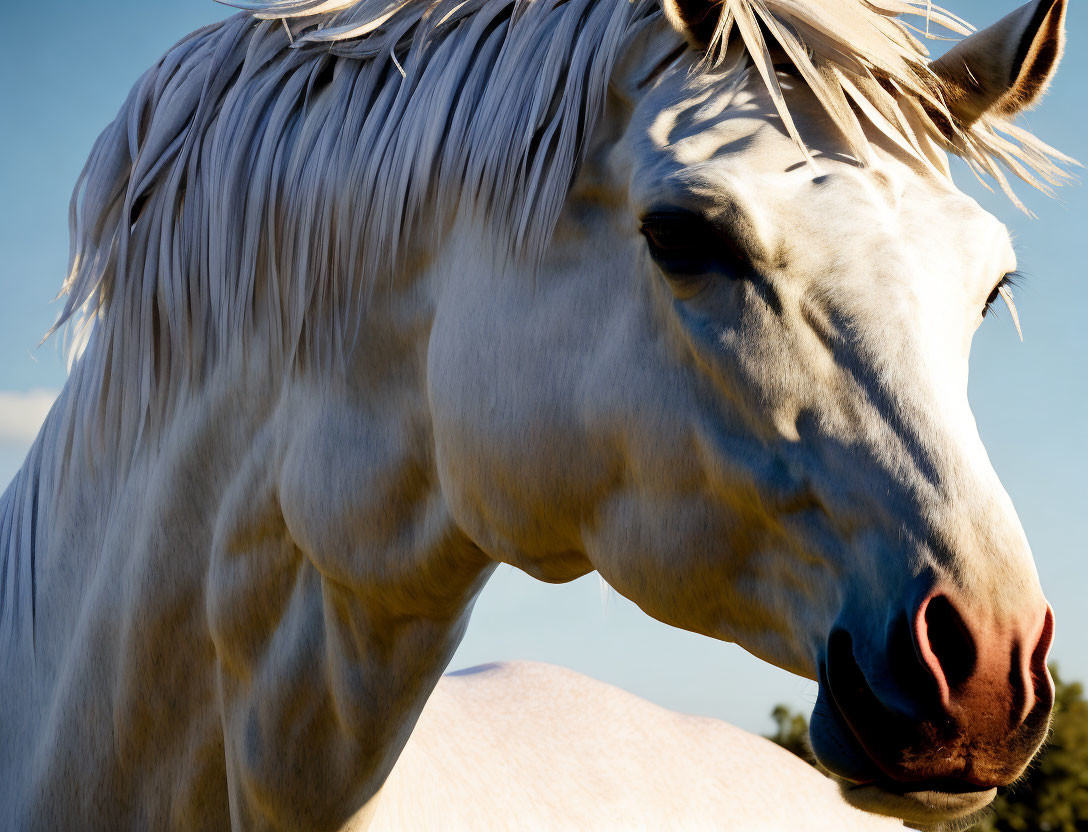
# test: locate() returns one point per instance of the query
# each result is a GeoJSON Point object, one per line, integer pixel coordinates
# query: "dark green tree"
{"type": "Point", "coordinates": [791, 732]}
{"type": "Point", "coordinates": [1052, 796]}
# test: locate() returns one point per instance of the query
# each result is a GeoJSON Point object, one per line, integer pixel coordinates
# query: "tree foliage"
{"type": "Point", "coordinates": [791, 732]}
{"type": "Point", "coordinates": [1051, 797]}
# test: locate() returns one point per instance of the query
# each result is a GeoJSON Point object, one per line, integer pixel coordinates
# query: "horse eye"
{"type": "Point", "coordinates": [670, 235]}
{"type": "Point", "coordinates": [1003, 288]}
{"type": "Point", "coordinates": [687, 244]}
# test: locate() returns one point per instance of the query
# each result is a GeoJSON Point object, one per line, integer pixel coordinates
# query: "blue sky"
{"type": "Point", "coordinates": [66, 72]}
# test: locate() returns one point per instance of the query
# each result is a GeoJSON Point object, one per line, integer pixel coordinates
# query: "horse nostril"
{"type": "Point", "coordinates": [942, 634]}
{"type": "Point", "coordinates": [1035, 689]}
{"type": "Point", "coordinates": [909, 672]}
{"type": "Point", "coordinates": [842, 667]}
{"type": "Point", "coordinates": [1042, 647]}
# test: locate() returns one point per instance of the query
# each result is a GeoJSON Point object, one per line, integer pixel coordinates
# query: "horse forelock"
{"type": "Point", "coordinates": [265, 173]}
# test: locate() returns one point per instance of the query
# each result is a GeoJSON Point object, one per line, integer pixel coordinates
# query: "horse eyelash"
{"type": "Point", "coordinates": [1003, 290]}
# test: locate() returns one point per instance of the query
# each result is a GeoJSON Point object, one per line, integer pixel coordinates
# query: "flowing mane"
{"type": "Point", "coordinates": [267, 168]}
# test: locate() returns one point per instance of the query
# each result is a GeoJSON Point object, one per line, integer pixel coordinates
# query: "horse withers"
{"type": "Point", "coordinates": [370, 297]}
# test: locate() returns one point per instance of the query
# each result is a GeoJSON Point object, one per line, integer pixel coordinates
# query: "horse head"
{"type": "Point", "coordinates": [735, 384]}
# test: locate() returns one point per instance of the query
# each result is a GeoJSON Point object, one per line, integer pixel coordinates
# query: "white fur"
{"type": "Point", "coordinates": [525, 746]}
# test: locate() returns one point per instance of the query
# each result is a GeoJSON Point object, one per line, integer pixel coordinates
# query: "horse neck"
{"type": "Point", "coordinates": [312, 452]}
{"type": "Point", "coordinates": [289, 534]}
{"type": "Point", "coordinates": [77, 498]}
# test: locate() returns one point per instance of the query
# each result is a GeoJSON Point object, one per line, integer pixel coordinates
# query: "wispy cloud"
{"type": "Point", "coordinates": [22, 413]}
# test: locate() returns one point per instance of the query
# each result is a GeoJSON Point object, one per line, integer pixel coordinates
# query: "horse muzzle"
{"type": "Point", "coordinates": [952, 707]}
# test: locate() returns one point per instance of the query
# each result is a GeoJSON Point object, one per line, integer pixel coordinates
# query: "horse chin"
{"type": "Point", "coordinates": [923, 807]}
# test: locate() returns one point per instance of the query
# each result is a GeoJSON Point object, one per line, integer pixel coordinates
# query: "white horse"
{"type": "Point", "coordinates": [371, 295]}
{"type": "Point", "coordinates": [527, 746]}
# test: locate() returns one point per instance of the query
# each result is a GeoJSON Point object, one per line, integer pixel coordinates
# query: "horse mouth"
{"type": "Point", "coordinates": [865, 786]}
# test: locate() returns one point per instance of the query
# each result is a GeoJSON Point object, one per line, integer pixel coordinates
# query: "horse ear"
{"type": "Point", "coordinates": [695, 19]}
{"type": "Point", "coordinates": [1004, 68]}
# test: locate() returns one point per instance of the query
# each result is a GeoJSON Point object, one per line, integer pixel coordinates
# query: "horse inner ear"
{"type": "Point", "coordinates": [1004, 68]}
{"type": "Point", "coordinates": [695, 19]}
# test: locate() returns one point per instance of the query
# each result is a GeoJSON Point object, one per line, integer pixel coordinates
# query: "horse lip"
{"type": "Point", "coordinates": [834, 710]}
{"type": "Point", "coordinates": [939, 784]}
{"type": "Point", "coordinates": [918, 805]}
{"type": "Point", "coordinates": [863, 769]}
